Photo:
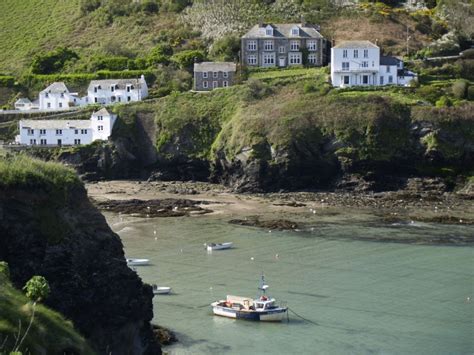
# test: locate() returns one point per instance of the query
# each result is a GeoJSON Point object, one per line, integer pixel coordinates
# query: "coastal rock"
{"type": "Point", "coordinates": [277, 224]}
{"type": "Point", "coordinates": [57, 233]}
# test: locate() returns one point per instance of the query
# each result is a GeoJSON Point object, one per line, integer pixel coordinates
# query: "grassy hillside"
{"type": "Point", "coordinates": [49, 333]}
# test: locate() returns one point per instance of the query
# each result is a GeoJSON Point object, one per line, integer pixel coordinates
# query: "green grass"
{"type": "Point", "coordinates": [23, 171]}
{"type": "Point", "coordinates": [50, 333]}
{"type": "Point", "coordinates": [290, 72]}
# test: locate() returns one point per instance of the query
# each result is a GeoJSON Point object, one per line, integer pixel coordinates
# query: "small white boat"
{"type": "Point", "coordinates": [138, 262]}
{"type": "Point", "coordinates": [218, 246]}
{"type": "Point", "coordinates": [263, 308]}
{"type": "Point", "coordinates": [161, 290]}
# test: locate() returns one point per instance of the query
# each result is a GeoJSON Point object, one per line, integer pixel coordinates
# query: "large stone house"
{"type": "Point", "coordinates": [282, 45]}
{"type": "Point", "coordinates": [360, 63]}
{"type": "Point", "coordinates": [112, 91]}
{"type": "Point", "coordinates": [213, 75]}
{"type": "Point", "coordinates": [66, 132]}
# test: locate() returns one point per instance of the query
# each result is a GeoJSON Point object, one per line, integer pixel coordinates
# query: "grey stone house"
{"type": "Point", "coordinates": [213, 75]}
{"type": "Point", "coordinates": [282, 45]}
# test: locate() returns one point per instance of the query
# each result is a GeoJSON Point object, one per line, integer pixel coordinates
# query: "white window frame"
{"type": "Point", "coordinates": [205, 84]}
{"type": "Point", "coordinates": [366, 53]}
{"type": "Point", "coordinates": [344, 53]}
{"type": "Point", "coordinates": [281, 49]}
{"type": "Point", "coordinates": [225, 74]}
{"type": "Point", "coordinates": [42, 131]}
{"type": "Point", "coordinates": [312, 59]}
{"type": "Point", "coordinates": [32, 141]}
{"type": "Point", "coordinates": [252, 59]}
{"type": "Point", "coordinates": [295, 45]}
{"type": "Point", "coordinates": [312, 45]}
{"type": "Point", "coordinates": [365, 64]}
{"type": "Point", "coordinates": [205, 75]}
{"type": "Point", "coordinates": [43, 142]}
{"type": "Point", "coordinates": [268, 59]}
{"type": "Point", "coordinates": [225, 83]}
{"type": "Point", "coordinates": [100, 128]}
{"type": "Point", "coordinates": [252, 45]}
{"type": "Point", "coordinates": [345, 66]}
{"type": "Point", "coordinates": [295, 31]}
{"type": "Point", "coordinates": [356, 53]}
{"type": "Point", "coordinates": [31, 131]}
{"type": "Point", "coordinates": [59, 132]}
{"type": "Point", "coordinates": [294, 59]}
{"type": "Point", "coordinates": [268, 45]}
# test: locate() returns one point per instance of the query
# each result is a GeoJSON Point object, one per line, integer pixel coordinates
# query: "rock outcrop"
{"type": "Point", "coordinates": [56, 232]}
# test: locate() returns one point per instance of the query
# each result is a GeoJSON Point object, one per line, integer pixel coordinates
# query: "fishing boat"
{"type": "Point", "coordinates": [218, 246]}
{"type": "Point", "coordinates": [138, 262]}
{"type": "Point", "coordinates": [161, 290]}
{"type": "Point", "coordinates": [263, 308]}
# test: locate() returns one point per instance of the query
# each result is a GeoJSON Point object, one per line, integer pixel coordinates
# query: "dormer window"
{"type": "Point", "coordinates": [295, 31]}
{"type": "Point", "coordinates": [129, 87]}
{"type": "Point", "coordinates": [269, 31]}
{"type": "Point", "coordinates": [112, 88]}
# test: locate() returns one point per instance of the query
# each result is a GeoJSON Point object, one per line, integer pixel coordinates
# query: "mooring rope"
{"type": "Point", "coordinates": [303, 318]}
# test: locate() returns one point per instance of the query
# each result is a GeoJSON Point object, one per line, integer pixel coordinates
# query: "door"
{"type": "Point", "coordinates": [60, 142]}
{"type": "Point", "coordinates": [282, 62]}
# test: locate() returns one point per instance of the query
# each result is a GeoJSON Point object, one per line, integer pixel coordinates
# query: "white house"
{"type": "Point", "coordinates": [57, 97]}
{"type": "Point", "coordinates": [24, 104]}
{"type": "Point", "coordinates": [117, 90]}
{"type": "Point", "coordinates": [360, 63]}
{"type": "Point", "coordinates": [66, 132]}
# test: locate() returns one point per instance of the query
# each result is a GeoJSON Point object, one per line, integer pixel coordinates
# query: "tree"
{"type": "Point", "coordinates": [37, 288]}
{"type": "Point", "coordinates": [226, 48]}
{"type": "Point", "coordinates": [160, 54]}
{"type": "Point", "coordinates": [186, 59]}
{"type": "Point", "coordinates": [52, 62]}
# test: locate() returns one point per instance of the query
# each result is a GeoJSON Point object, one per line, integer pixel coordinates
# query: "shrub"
{"type": "Point", "coordinates": [52, 62]}
{"type": "Point", "coordinates": [37, 288]}
{"type": "Point", "coordinates": [186, 59]}
{"type": "Point", "coordinates": [150, 6]}
{"type": "Point", "coordinates": [309, 87]}
{"type": "Point", "coordinates": [257, 89]}
{"type": "Point", "coordinates": [459, 89]}
{"type": "Point", "coordinates": [89, 6]}
{"type": "Point", "coordinates": [470, 93]}
{"type": "Point", "coordinates": [468, 54]}
{"type": "Point", "coordinates": [429, 93]}
{"type": "Point", "coordinates": [7, 81]}
{"type": "Point", "coordinates": [160, 54]}
{"type": "Point", "coordinates": [444, 101]}
{"type": "Point", "coordinates": [226, 48]}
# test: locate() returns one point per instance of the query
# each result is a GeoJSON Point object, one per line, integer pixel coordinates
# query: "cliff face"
{"type": "Point", "coordinates": [57, 233]}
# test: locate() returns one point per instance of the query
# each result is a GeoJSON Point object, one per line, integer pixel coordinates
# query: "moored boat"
{"type": "Point", "coordinates": [262, 308]}
{"type": "Point", "coordinates": [218, 246]}
{"type": "Point", "coordinates": [138, 262]}
{"type": "Point", "coordinates": [161, 290]}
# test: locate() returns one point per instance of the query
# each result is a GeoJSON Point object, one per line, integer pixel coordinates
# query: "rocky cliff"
{"type": "Point", "coordinates": [49, 227]}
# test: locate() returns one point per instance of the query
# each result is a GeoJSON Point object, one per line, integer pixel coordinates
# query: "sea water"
{"type": "Point", "coordinates": [346, 295]}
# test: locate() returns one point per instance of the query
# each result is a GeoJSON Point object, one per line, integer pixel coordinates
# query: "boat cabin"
{"type": "Point", "coordinates": [264, 304]}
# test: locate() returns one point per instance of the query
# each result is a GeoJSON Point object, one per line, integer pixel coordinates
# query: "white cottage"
{"type": "Point", "coordinates": [117, 90]}
{"type": "Point", "coordinates": [24, 104]}
{"type": "Point", "coordinates": [57, 97]}
{"type": "Point", "coordinates": [66, 132]}
{"type": "Point", "coordinates": [360, 63]}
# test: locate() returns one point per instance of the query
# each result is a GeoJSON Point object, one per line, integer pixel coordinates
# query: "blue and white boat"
{"type": "Point", "coordinates": [263, 308]}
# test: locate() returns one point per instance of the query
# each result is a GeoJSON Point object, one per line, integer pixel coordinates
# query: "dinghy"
{"type": "Point", "coordinates": [218, 246]}
{"type": "Point", "coordinates": [161, 290]}
{"type": "Point", "coordinates": [138, 262]}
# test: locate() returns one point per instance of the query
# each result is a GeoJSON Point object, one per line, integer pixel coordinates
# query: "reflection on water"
{"type": "Point", "coordinates": [359, 296]}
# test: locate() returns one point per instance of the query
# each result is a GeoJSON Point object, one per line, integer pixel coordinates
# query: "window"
{"type": "Point", "coordinates": [281, 49]}
{"type": "Point", "coordinates": [365, 79]}
{"type": "Point", "coordinates": [100, 128]}
{"type": "Point", "coordinates": [252, 45]}
{"type": "Point", "coordinates": [95, 88]}
{"type": "Point", "coordinates": [345, 65]}
{"type": "Point", "coordinates": [32, 141]}
{"type": "Point", "coordinates": [215, 84]}
{"type": "Point", "coordinates": [60, 142]}
{"type": "Point", "coordinates": [365, 64]}
{"type": "Point", "coordinates": [269, 31]}
{"type": "Point", "coordinates": [95, 99]}
{"type": "Point", "coordinates": [62, 94]}
{"type": "Point", "coordinates": [129, 98]}
{"type": "Point", "coordinates": [100, 118]}
{"type": "Point", "coordinates": [205, 84]}
{"type": "Point", "coordinates": [77, 141]}
{"type": "Point", "coordinates": [112, 88]}
{"type": "Point", "coordinates": [312, 46]}
{"type": "Point", "coordinates": [215, 74]}
{"type": "Point", "coordinates": [46, 95]}
{"type": "Point", "coordinates": [83, 131]}
{"type": "Point", "coordinates": [344, 53]}
{"type": "Point", "coordinates": [112, 98]}
{"type": "Point", "coordinates": [366, 53]}
{"type": "Point", "coordinates": [345, 79]}
{"type": "Point", "coordinates": [119, 99]}
{"type": "Point", "coordinates": [388, 68]}
{"type": "Point", "coordinates": [268, 45]}
{"type": "Point", "coordinates": [252, 60]}
{"type": "Point", "coordinates": [31, 132]}
{"type": "Point", "coordinates": [42, 131]}
{"type": "Point", "coordinates": [76, 131]}
{"type": "Point", "coordinates": [205, 75]}
{"type": "Point", "coordinates": [60, 104]}
{"type": "Point", "coordinates": [269, 59]}
{"type": "Point", "coordinates": [225, 84]}
{"type": "Point", "coordinates": [43, 142]}
{"type": "Point", "coordinates": [128, 88]}
{"type": "Point", "coordinates": [295, 31]}
{"type": "Point", "coordinates": [356, 53]}
{"type": "Point", "coordinates": [381, 80]}
{"type": "Point", "coordinates": [225, 74]}
{"type": "Point", "coordinates": [48, 104]}
{"type": "Point", "coordinates": [312, 58]}
{"type": "Point", "coordinates": [390, 79]}
{"type": "Point", "coordinates": [295, 45]}
{"type": "Point", "coordinates": [295, 58]}
{"type": "Point", "coordinates": [59, 132]}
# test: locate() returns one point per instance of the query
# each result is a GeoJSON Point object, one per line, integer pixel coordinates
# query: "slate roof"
{"type": "Point", "coordinates": [215, 67]}
{"type": "Point", "coordinates": [57, 87]}
{"type": "Point", "coordinates": [283, 30]}
{"type": "Point", "coordinates": [121, 83]}
{"type": "Point", "coordinates": [23, 100]}
{"type": "Point", "coordinates": [386, 60]}
{"type": "Point", "coordinates": [102, 112]}
{"type": "Point", "coordinates": [355, 44]}
{"type": "Point", "coordinates": [56, 124]}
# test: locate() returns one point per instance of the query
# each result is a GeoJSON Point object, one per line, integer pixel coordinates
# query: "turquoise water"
{"type": "Point", "coordinates": [359, 296]}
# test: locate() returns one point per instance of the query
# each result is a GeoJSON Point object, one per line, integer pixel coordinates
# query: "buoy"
{"type": "Point", "coordinates": [252, 258]}
{"type": "Point", "coordinates": [156, 238]}
{"type": "Point", "coordinates": [154, 232]}
{"type": "Point", "coordinates": [269, 231]}
{"type": "Point", "coordinates": [314, 212]}
{"type": "Point", "coordinates": [277, 256]}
